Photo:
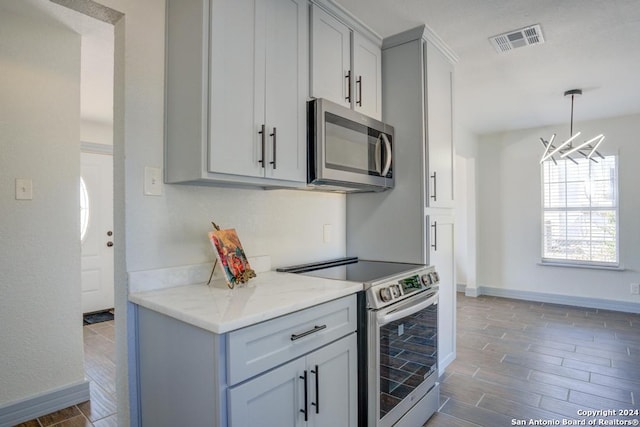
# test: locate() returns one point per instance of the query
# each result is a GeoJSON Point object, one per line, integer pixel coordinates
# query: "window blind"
{"type": "Point", "coordinates": [580, 211]}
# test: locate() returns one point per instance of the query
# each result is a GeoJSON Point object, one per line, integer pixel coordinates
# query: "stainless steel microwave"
{"type": "Point", "coordinates": [348, 151]}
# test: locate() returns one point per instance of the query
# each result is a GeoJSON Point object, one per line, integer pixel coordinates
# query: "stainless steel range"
{"type": "Point", "coordinates": [398, 345]}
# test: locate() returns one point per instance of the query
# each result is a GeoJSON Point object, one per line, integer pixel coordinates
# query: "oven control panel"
{"type": "Point", "coordinates": [391, 292]}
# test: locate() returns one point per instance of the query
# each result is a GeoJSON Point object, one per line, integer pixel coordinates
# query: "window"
{"type": "Point", "coordinates": [84, 209]}
{"type": "Point", "coordinates": [580, 212]}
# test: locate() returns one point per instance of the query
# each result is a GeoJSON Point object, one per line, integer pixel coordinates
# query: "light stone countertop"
{"type": "Point", "coordinates": [218, 309]}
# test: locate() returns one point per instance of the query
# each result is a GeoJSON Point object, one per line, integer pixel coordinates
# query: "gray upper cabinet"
{"type": "Point", "coordinates": [439, 120]}
{"type": "Point", "coordinates": [237, 85]}
{"type": "Point", "coordinates": [345, 65]}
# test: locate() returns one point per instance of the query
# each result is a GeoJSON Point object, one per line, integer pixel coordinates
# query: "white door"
{"type": "Point", "coordinates": [96, 193]}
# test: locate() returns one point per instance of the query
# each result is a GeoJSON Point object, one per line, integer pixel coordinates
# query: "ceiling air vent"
{"type": "Point", "coordinates": [519, 38]}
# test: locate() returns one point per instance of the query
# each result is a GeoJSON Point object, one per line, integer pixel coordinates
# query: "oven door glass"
{"type": "Point", "coordinates": [407, 355]}
{"type": "Point", "coordinates": [356, 148]}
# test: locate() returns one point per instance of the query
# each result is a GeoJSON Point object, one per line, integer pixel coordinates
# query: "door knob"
{"type": "Point", "coordinates": [109, 244]}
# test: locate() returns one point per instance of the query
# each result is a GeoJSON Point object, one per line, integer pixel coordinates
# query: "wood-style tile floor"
{"type": "Point", "coordinates": [516, 361]}
{"type": "Point", "coordinates": [100, 370]}
{"type": "Point", "coordinates": [519, 361]}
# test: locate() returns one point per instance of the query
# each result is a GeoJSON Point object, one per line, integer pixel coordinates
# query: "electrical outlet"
{"type": "Point", "coordinates": [635, 289]}
{"type": "Point", "coordinates": [326, 233]}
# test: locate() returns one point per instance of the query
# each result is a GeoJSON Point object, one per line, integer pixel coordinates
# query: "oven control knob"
{"type": "Point", "coordinates": [385, 294]}
{"type": "Point", "coordinates": [435, 278]}
{"type": "Point", "coordinates": [426, 279]}
{"type": "Point", "coordinates": [395, 291]}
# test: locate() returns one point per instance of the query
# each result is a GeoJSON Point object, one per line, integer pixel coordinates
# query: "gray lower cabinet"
{"type": "Point", "coordinates": [316, 390]}
{"type": "Point", "coordinates": [295, 370]}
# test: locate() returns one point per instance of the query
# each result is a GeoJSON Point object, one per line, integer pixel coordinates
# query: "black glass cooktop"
{"type": "Point", "coordinates": [351, 269]}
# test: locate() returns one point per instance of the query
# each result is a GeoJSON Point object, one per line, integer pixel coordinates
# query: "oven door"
{"type": "Point", "coordinates": [402, 356]}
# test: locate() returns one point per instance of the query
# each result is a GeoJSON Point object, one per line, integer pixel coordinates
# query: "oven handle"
{"type": "Point", "coordinates": [408, 310]}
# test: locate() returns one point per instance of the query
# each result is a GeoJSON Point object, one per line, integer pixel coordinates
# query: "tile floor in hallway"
{"type": "Point", "coordinates": [520, 360]}
{"type": "Point", "coordinates": [100, 370]}
{"type": "Point", "coordinates": [516, 360]}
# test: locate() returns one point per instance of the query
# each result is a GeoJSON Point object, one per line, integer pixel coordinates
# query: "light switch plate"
{"type": "Point", "coordinates": [152, 181]}
{"type": "Point", "coordinates": [24, 189]}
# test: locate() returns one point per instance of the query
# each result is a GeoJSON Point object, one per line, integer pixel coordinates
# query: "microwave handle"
{"type": "Point", "coordinates": [387, 147]}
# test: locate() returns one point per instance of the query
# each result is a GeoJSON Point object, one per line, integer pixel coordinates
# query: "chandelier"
{"type": "Point", "coordinates": [567, 149]}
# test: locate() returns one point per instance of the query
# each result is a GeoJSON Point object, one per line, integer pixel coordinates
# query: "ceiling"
{"type": "Point", "coordinates": [589, 44]}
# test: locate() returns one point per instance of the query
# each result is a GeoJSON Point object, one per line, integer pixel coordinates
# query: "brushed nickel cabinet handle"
{"type": "Point", "coordinates": [309, 332]}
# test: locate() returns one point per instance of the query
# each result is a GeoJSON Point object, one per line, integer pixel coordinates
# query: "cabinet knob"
{"type": "Point", "coordinates": [109, 244]}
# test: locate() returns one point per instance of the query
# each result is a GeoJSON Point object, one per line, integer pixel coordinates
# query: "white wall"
{"type": "Point", "coordinates": [466, 145]}
{"type": "Point", "coordinates": [41, 332]}
{"type": "Point", "coordinates": [96, 132]}
{"type": "Point", "coordinates": [509, 211]}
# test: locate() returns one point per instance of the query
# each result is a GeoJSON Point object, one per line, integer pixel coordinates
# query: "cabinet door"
{"type": "Point", "coordinates": [236, 87]}
{"type": "Point", "coordinates": [272, 399]}
{"type": "Point", "coordinates": [330, 58]}
{"type": "Point", "coordinates": [441, 256]}
{"type": "Point", "coordinates": [367, 69]}
{"type": "Point", "coordinates": [286, 65]}
{"type": "Point", "coordinates": [439, 111]}
{"type": "Point", "coordinates": [333, 384]}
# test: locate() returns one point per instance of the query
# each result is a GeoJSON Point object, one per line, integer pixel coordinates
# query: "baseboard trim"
{"type": "Point", "coordinates": [446, 362]}
{"type": "Point", "coordinates": [602, 304]}
{"type": "Point", "coordinates": [467, 291]}
{"type": "Point", "coordinates": [42, 404]}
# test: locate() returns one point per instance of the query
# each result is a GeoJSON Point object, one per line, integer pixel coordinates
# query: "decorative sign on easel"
{"type": "Point", "coordinates": [230, 254]}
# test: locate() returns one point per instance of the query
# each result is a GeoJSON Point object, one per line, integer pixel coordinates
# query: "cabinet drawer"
{"type": "Point", "coordinates": [260, 347]}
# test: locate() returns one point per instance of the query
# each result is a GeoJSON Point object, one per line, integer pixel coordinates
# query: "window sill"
{"type": "Point", "coordinates": [586, 266]}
